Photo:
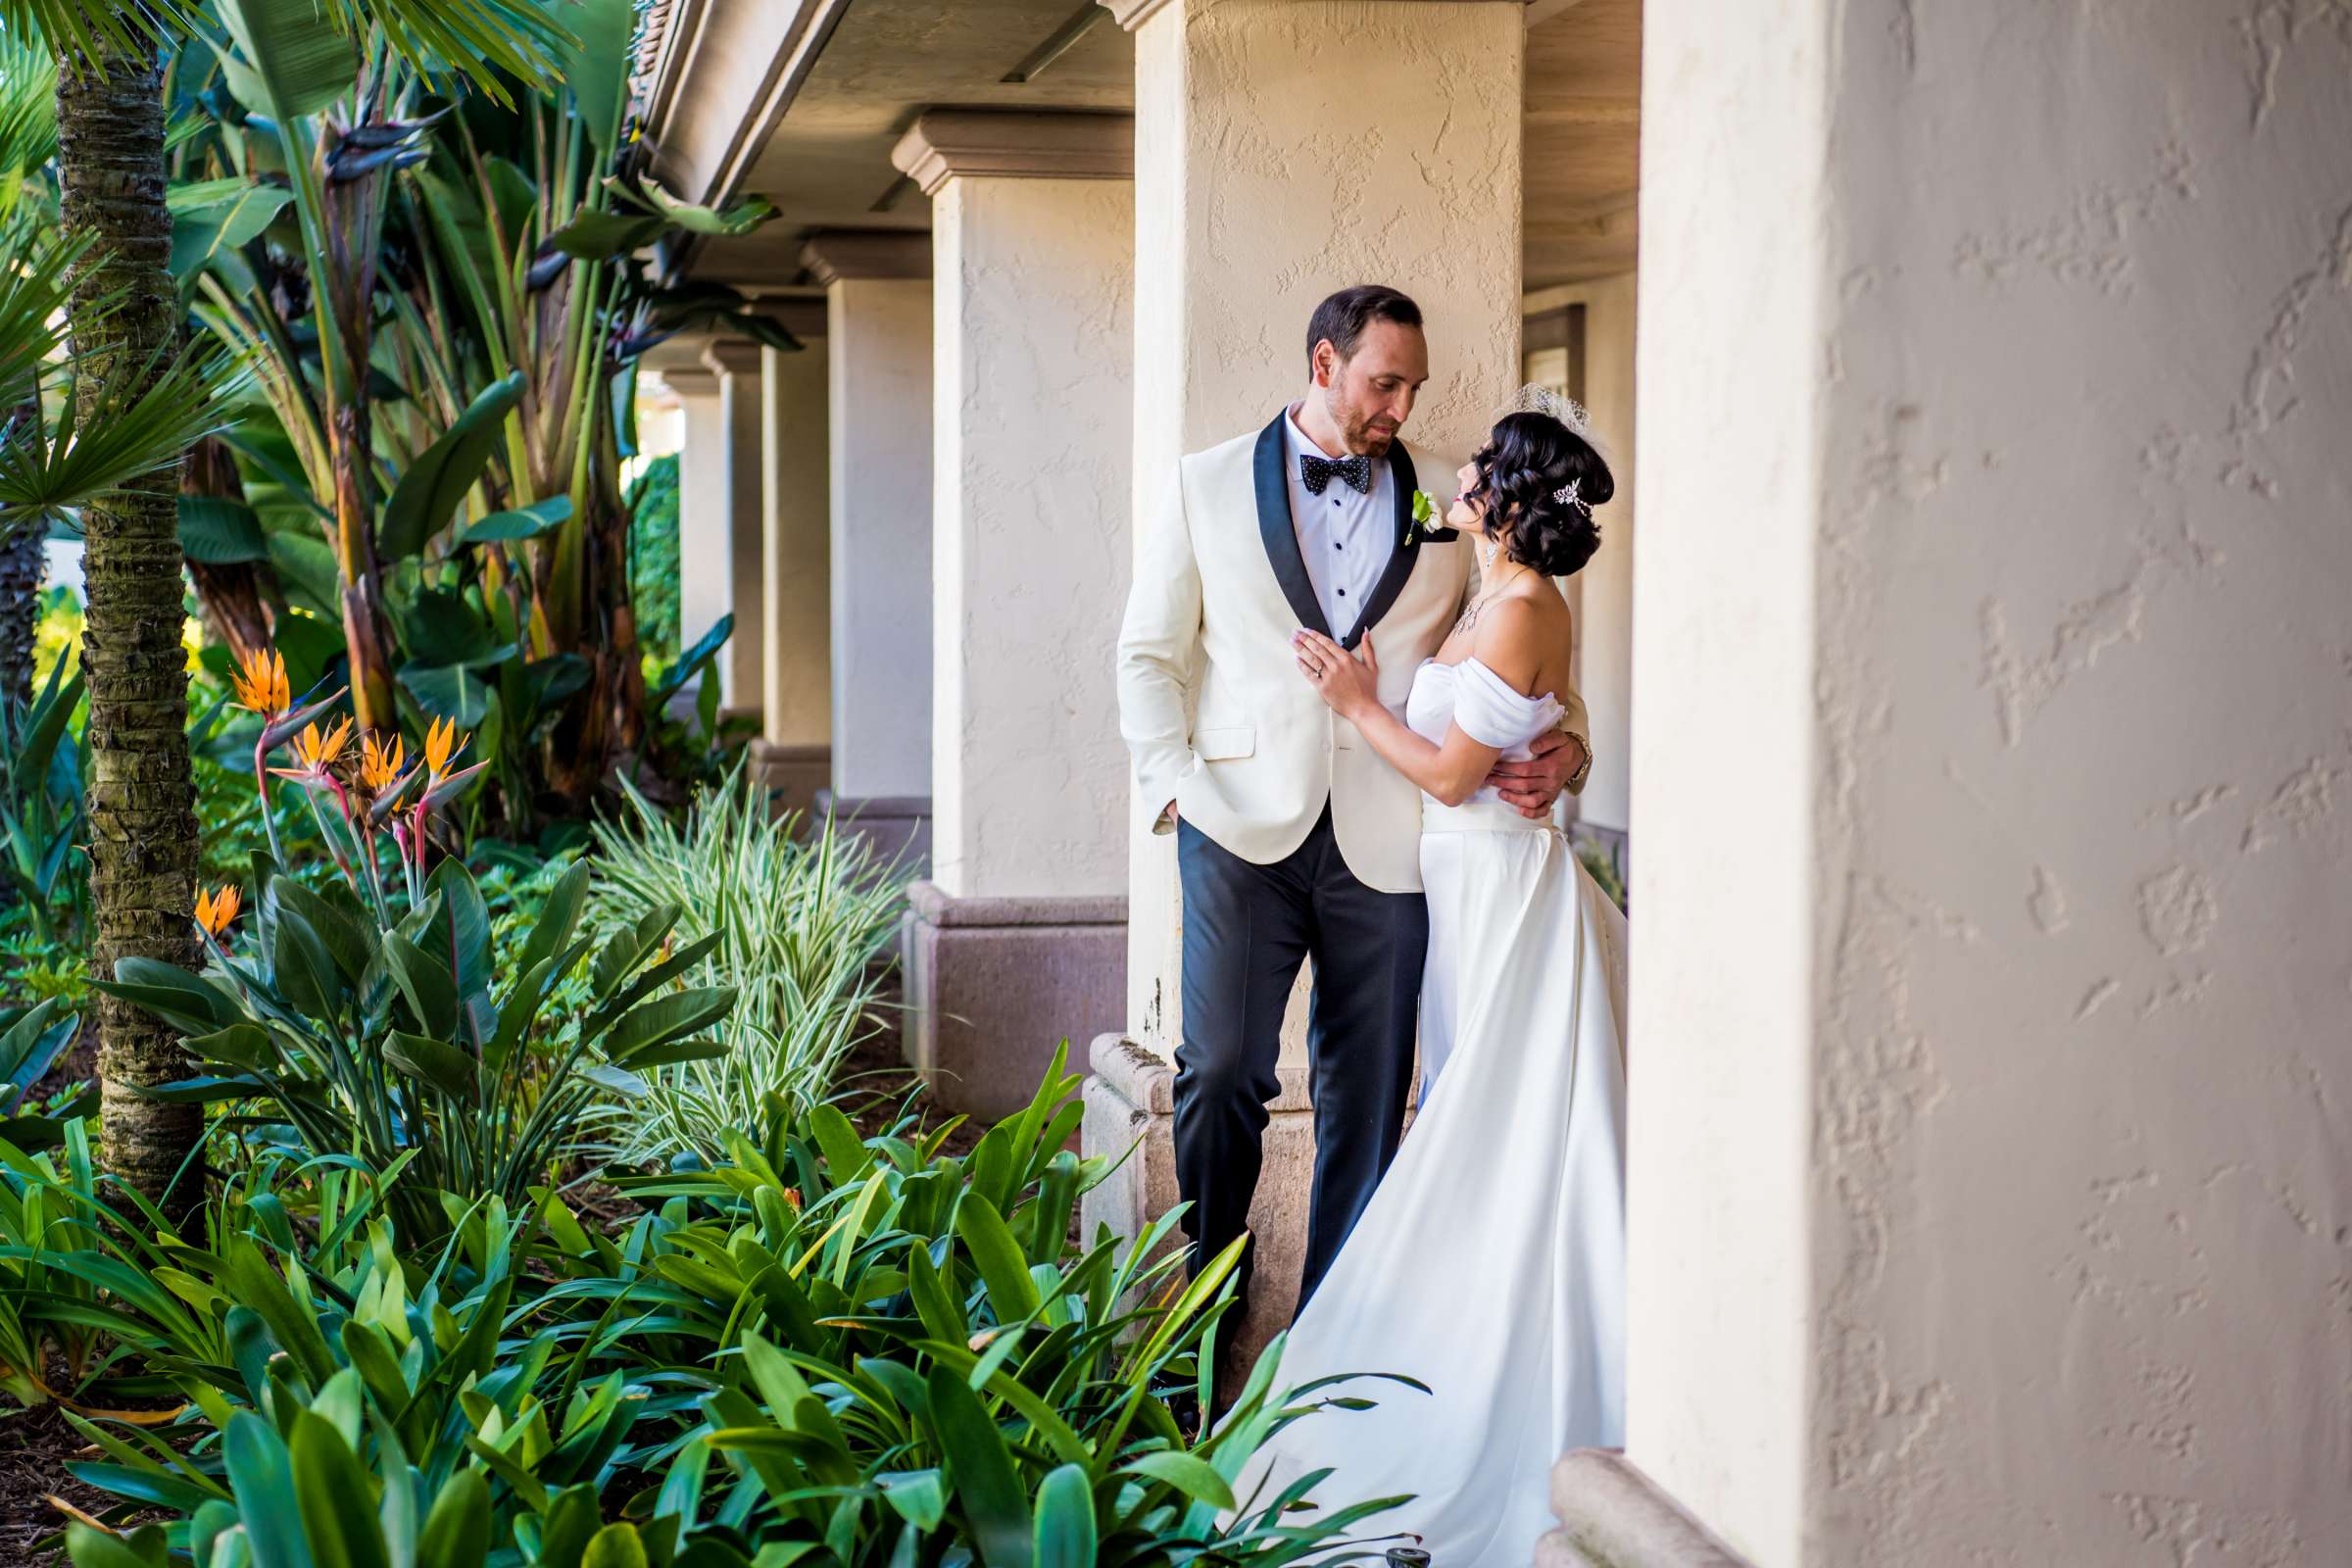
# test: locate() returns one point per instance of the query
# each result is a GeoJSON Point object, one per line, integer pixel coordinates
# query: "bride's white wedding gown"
{"type": "Point", "coordinates": [1489, 1264]}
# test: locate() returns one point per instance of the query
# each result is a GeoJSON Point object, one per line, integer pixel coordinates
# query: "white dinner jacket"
{"type": "Point", "coordinates": [1211, 703]}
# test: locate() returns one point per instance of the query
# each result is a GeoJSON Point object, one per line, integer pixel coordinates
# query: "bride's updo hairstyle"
{"type": "Point", "coordinates": [1538, 483]}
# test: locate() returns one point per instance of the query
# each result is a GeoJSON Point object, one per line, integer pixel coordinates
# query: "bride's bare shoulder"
{"type": "Point", "coordinates": [1523, 634]}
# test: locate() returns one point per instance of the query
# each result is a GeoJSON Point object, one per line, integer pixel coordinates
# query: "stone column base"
{"type": "Point", "coordinates": [1131, 1101]}
{"type": "Point", "coordinates": [995, 985]}
{"type": "Point", "coordinates": [793, 775]}
{"type": "Point", "coordinates": [896, 827]}
{"type": "Point", "coordinates": [1613, 1516]}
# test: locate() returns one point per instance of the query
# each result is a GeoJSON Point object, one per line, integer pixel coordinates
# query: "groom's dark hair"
{"type": "Point", "coordinates": [1344, 316]}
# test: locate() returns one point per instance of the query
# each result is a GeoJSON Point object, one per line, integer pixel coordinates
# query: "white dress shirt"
{"type": "Point", "coordinates": [1344, 536]}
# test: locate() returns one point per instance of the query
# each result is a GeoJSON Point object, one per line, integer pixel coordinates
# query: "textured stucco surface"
{"type": "Point", "coordinates": [878, 351]}
{"type": "Point", "coordinates": [1032, 428]}
{"type": "Point", "coordinates": [1284, 149]}
{"type": "Point", "coordinates": [796, 564]}
{"type": "Point", "coordinates": [1994, 659]}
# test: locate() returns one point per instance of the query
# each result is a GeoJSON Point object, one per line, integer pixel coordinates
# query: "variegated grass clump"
{"type": "Point", "coordinates": [800, 926]}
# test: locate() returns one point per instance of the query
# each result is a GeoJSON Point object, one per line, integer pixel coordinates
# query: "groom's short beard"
{"type": "Point", "coordinates": [1358, 430]}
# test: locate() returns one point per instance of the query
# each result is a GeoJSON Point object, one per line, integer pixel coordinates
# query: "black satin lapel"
{"type": "Point", "coordinates": [1281, 536]}
{"type": "Point", "coordinates": [1403, 483]}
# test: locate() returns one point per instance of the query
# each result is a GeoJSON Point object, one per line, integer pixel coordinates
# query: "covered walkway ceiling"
{"type": "Point", "coordinates": [801, 101]}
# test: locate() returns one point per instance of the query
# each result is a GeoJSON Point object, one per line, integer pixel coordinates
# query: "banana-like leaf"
{"type": "Point", "coordinates": [435, 1061]}
{"type": "Point", "coordinates": [599, 237]}
{"type": "Point", "coordinates": [435, 485]}
{"type": "Point", "coordinates": [290, 58]}
{"type": "Point", "coordinates": [217, 531]}
{"type": "Point", "coordinates": [449, 691]}
{"type": "Point", "coordinates": [522, 522]}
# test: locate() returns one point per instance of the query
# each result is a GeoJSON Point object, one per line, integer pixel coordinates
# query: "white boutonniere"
{"type": "Point", "coordinates": [1426, 519]}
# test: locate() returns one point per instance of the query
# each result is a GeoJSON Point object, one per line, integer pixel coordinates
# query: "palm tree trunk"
{"type": "Point", "coordinates": [20, 610]}
{"type": "Point", "coordinates": [143, 849]}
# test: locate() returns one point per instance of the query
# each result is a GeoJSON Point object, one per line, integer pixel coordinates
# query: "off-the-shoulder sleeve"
{"type": "Point", "coordinates": [1493, 713]}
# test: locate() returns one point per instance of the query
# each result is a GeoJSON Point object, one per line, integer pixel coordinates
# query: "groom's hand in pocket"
{"type": "Point", "coordinates": [1533, 785]}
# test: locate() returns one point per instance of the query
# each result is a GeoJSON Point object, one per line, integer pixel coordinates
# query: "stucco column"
{"type": "Point", "coordinates": [1285, 149]}
{"type": "Point", "coordinates": [878, 433]}
{"type": "Point", "coordinates": [1019, 939]}
{"type": "Point", "coordinates": [735, 361]}
{"type": "Point", "coordinates": [1992, 1128]}
{"type": "Point", "coordinates": [795, 749]}
{"type": "Point", "coordinates": [705, 492]}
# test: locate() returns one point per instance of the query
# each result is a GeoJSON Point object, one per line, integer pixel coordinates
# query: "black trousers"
{"type": "Point", "coordinates": [1247, 929]}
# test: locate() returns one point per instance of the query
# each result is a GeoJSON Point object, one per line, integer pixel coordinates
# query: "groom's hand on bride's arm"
{"type": "Point", "coordinates": [1533, 785]}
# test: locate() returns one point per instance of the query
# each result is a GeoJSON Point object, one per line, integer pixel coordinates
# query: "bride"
{"type": "Point", "coordinates": [1489, 1264]}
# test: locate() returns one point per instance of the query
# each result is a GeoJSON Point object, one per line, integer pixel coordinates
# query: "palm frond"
{"type": "Point", "coordinates": [27, 111]}
{"type": "Point", "coordinates": [93, 26]}
{"type": "Point", "coordinates": [51, 473]}
{"type": "Point", "coordinates": [474, 39]}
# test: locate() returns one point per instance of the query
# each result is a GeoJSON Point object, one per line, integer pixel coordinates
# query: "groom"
{"type": "Point", "coordinates": [1294, 839]}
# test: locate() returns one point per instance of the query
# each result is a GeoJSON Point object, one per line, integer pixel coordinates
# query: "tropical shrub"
{"type": "Point", "coordinates": [835, 1350]}
{"type": "Point", "coordinates": [388, 1040]}
{"type": "Point", "coordinates": [653, 499]}
{"type": "Point", "coordinates": [44, 874]}
{"type": "Point", "coordinates": [797, 926]}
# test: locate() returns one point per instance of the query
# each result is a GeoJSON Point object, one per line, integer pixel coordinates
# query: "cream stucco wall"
{"type": "Point", "coordinates": [705, 504]}
{"type": "Point", "coordinates": [795, 562]}
{"type": "Point", "coordinates": [1991, 1176]}
{"type": "Point", "coordinates": [1033, 283]}
{"type": "Point", "coordinates": [1603, 592]}
{"type": "Point", "coordinates": [878, 354]}
{"type": "Point", "coordinates": [1264, 180]}
{"type": "Point", "coordinates": [741, 416]}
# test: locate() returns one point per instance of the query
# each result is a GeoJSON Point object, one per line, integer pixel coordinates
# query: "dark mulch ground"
{"type": "Point", "coordinates": [36, 1446]}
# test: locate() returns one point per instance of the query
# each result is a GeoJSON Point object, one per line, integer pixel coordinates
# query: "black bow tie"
{"type": "Point", "coordinates": [1355, 469]}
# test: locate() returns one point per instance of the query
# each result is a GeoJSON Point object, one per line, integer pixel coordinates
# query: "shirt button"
{"type": "Point", "coordinates": [1343, 592]}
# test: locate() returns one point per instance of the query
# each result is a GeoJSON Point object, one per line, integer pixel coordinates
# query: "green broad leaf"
{"type": "Point", "coordinates": [557, 917]}
{"type": "Point", "coordinates": [1196, 1477]}
{"type": "Point", "coordinates": [188, 1002]}
{"type": "Point", "coordinates": [620, 1081]}
{"type": "Point", "coordinates": [433, 1061]}
{"type": "Point", "coordinates": [617, 1546]}
{"type": "Point", "coordinates": [460, 937]}
{"type": "Point", "coordinates": [456, 1532]}
{"type": "Point", "coordinates": [215, 531]}
{"type": "Point", "coordinates": [331, 1488]}
{"type": "Point", "coordinates": [594, 236]}
{"type": "Point", "coordinates": [260, 1473]}
{"type": "Point", "coordinates": [1066, 1520]}
{"type": "Point", "coordinates": [90, 1547]}
{"type": "Point", "coordinates": [595, 63]}
{"type": "Point", "coordinates": [435, 485]}
{"type": "Point", "coordinates": [305, 565]}
{"type": "Point", "coordinates": [522, 522]}
{"type": "Point", "coordinates": [431, 994]}
{"type": "Point", "coordinates": [987, 1485]}
{"type": "Point", "coordinates": [449, 691]}
{"type": "Point", "coordinates": [445, 626]}
{"type": "Point", "coordinates": [303, 970]}
{"type": "Point", "coordinates": [1010, 1290]}
{"type": "Point", "coordinates": [290, 58]}
{"type": "Point", "coordinates": [704, 648]}
{"type": "Point", "coordinates": [665, 1018]}
{"type": "Point", "coordinates": [231, 213]}
{"type": "Point", "coordinates": [921, 1497]}
{"type": "Point", "coordinates": [739, 219]}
